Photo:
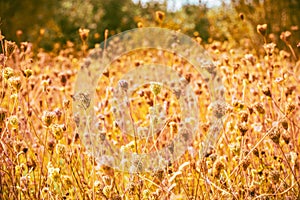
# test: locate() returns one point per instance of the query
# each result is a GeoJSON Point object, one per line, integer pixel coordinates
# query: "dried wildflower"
{"type": "Point", "coordinates": [275, 176]}
{"type": "Point", "coordinates": [250, 58]}
{"type": "Point", "coordinates": [275, 135]}
{"type": "Point", "coordinates": [3, 113]}
{"type": "Point", "coordinates": [238, 104]}
{"type": "Point", "coordinates": [15, 83]}
{"type": "Point", "coordinates": [146, 194]}
{"type": "Point", "coordinates": [259, 108]}
{"type": "Point", "coordinates": [67, 181]}
{"type": "Point", "coordinates": [256, 152]}
{"type": "Point", "coordinates": [63, 78]}
{"type": "Point", "coordinates": [266, 91]}
{"type": "Point", "coordinates": [285, 36]}
{"type": "Point", "coordinates": [155, 88]}
{"type": "Point", "coordinates": [13, 121]}
{"type": "Point", "coordinates": [218, 166]}
{"type": "Point", "coordinates": [269, 48]}
{"type": "Point", "coordinates": [290, 107]}
{"type": "Point", "coordinates": [60, 149]}
{"type": "Point", "coordinates": [132, 188]}
{"type": "Point", "coordinates": [286, 137]}
{"type": "Point", "coordinates": [57, 130]}
{"type": "Point", "coordinates": [124, 85]}
{"type": "Point", "coordinates": [9, 47]}
{"type": "Point", "coordinates": [8, 73]}
{"type": "Point", "coordinates": [53, 174]}
{"type": "Point", "coordinates": [66, 103]}
{"type": "Point", "coordinates": [83, 98]}
{"type": "Point", "coordinates": [262, 29]}
{"type": "Point", "coordinates": [44, 192]}
{"type": "Point", "coordinates": [245, 163]}
{"type": "Point", "coordinates": [2, 60]}
{"type": "Point", "coordinates": [28, 73]}
{"type": "Point", "coordinates": [285, 124]}
{"type": "Point", "coordinates": [160, 16]}
{"type": "Point", "coordinates": [24, 46]}
{"type": "Point", "coordinates": [84, 33]}
{"type": "Point", "coordinates": [106, 191]}
{"type": "Point", "coordinates": [243, 116]}
{"type": "Point", "coordinates": [48, 118]}
{"type": "Point", "coordinates": [218, 109]}
{"type": "Point", "coordinates": [31, 164]}
{"type": "Point", "coordinates": [51, 145]}
{"type": "Point", "coordinates": [243, 127]}
{"type": "Point", "coordinates": [284, 55]}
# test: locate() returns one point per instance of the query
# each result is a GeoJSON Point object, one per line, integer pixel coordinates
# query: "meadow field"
{"type": "Point", "coordinates": [234, 123]}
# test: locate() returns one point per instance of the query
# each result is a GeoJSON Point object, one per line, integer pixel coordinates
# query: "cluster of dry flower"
{"type": "Point", "coordinates": [256, 157]}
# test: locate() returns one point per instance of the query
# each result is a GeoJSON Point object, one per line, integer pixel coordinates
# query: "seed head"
{"type": "Point", "coordinates": [259, 108]}
{"type": "Point", "coordinates": [28, 73]}
{"type": "Point", "coordinates": [269, 48]}
{"type": "Point", "coordinates": [155, 88]}
{"type": "Point", "coordinates": [286, 137]}
{"type": "Point", "coordinates": [243, 127]}
{"type": "Point", "coordinates": [290, 107]}
{"type": "Point", "coordinates": [285, 124]}
{"type": "Point", "coordinates": [275, 135]}
{"type": "Point", "coordinates": [60, 149]}
{"type": "Point", "coordinates": [51, 145]}
{"type": "Point", "coordinates": [8, 73]}
{"type": "Point", "coordinates": [243, 116]}
{"type": "Point", "coordinates": [266, 91]}
{"type": "Point", "coordinates": [106, 190]}
{"type": "Point", "coordinates": [275, 176]}
{"type": "Point", "coordinates": [57, 130]}
{"type": "Point", "coordinates": [9, 47]}
{"type": "Point", "coordinates": [3, 113]}
{"type": "Point", "coordinates": [218, 166]}
{"type": "Point", "coordinates": [124, 85]}
{"type": "Point", "coordinates": [48, 118]}
{"type": "Point", "coordinates": [15, 82]}
{"type": "Point", "coordinates": [286, 36]}
{"type": "Point", "coordinates": [246, 163]}
{"type": "Point", "coordinates": [67, 180]}
{"type": "Point", "coordinates": [14, 121]}
{"type": "Point", "coordinates": [262, 29]}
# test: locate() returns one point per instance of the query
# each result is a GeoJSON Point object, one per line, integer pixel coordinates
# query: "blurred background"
{"type": "Point", "coordinates": [48, 23]}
